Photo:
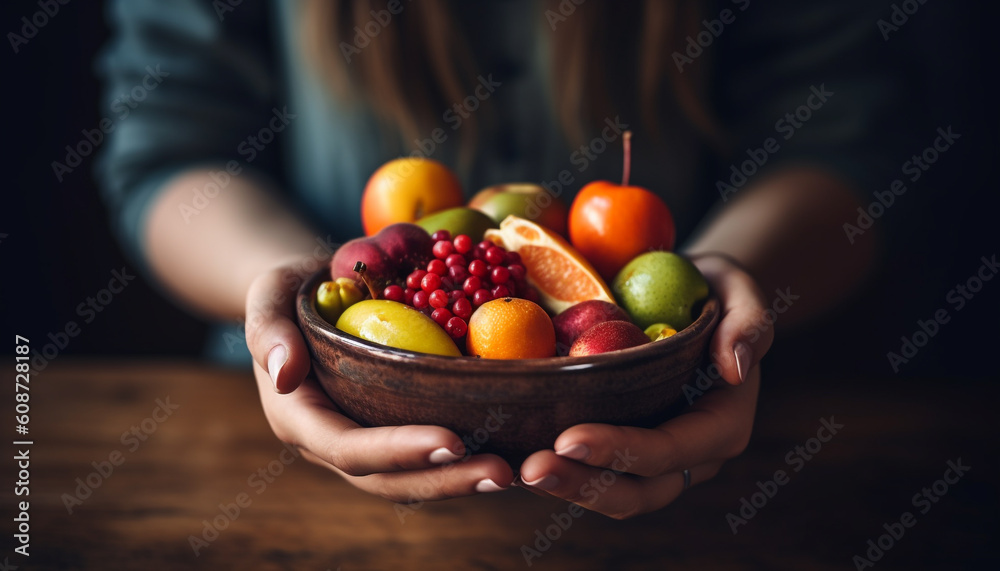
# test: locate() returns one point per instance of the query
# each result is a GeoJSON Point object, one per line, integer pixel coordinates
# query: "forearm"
{"type": "Point", "coordinates": [208, 259]}
{"type": "Point", "coordinates": [787, 230]}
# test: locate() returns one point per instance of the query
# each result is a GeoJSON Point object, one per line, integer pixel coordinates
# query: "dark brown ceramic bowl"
{"type": "Point", "coordinates": [511, 408]}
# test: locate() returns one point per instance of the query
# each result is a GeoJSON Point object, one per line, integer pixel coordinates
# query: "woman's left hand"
{"type": "Point", "coordinates": [624, 471]}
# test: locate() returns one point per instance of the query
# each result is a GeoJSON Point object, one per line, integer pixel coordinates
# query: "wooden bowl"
{"type": "Point", "coordinates": [510, 408]}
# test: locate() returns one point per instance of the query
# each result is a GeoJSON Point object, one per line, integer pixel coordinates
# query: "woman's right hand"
{"type": "Point", "coordinates": [399, 463]}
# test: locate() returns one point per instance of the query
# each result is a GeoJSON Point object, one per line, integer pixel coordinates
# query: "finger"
{"type": "Point", "coordinates": [308, 419]}
{"type": "Point", "coordinates": [604, 490]}
{"type": "Point", "coordinates": [716, 427]}
{"type": "Point", "coordinates": [743, 335]}
{"type": "Point", "coordinates": [273, 335]}
{"type": "Point", "coordinates": [482, 473]}
{"type": "Point", "coordinates": [474, 474]}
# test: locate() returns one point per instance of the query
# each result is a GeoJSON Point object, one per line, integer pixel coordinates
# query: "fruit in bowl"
{"type": "Point", "coordinates": [660, 287]}
{"type": "Point", "coordinates": [395, 251]}
{"type": "Point", "coordinates": [606, 337]}
{"type": "Point", "coordinates": [576, 320]}
{"type": "Point", "coordinates": [378, 385]}
{"type": "Point", "coordinates": [524, 200]}
{"type": "Point", "coordinates": [611, 224]}
{"type": "Point", "coordinates": [406, 190]}
{"type": "Point", "coordinates": [394, 324]}
{"type": "Point", "coordinates": [460, 220]}
{"type": "Point", "coordinates": [516, 323]}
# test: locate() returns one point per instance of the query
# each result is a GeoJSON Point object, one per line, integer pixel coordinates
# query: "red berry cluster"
{"type": "Point", "coordinates": [461, 277]}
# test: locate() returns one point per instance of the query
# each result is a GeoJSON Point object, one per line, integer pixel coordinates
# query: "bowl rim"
{"type": "Point", "coordinates": [308, 316]}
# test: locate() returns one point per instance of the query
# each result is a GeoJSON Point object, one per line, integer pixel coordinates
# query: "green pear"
{"type": "Point", "coordinates": [461, 220]}
{"type": "Point", "coordinates": [396, 325]}
{"type": "Point", "coordinates": [660, 287]}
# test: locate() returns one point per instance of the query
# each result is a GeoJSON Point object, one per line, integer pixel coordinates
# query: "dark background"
{"type": "Point", "coordinates": [59, 249]}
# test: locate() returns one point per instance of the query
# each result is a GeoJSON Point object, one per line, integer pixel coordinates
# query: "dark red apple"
{"type": "Point", "coordinates": [390, 255]}
{"type": "Point", "coordinates": [606, 337]}
{"type": "Point", "coordinates": [408, 246]}
{"type": "Point", "coordinates": [570, 324]}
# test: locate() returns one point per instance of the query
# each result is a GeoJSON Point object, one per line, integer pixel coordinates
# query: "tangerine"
{"type": "Point", "coordinates": [511, 328]}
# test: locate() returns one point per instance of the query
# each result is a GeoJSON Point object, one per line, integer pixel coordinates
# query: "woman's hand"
{"type": "Point", "coordinates": [400, 463]}
{"type": "Point", "coordinates": [624, 471]}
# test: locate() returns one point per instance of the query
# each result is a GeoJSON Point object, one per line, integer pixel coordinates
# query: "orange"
{"type": "Point", "coordinates": [511, 328]}
{"type": "Point", "coordinates": [562, 276]}
{"type": "Point", "coordinates": [611, 224]}
{"type": "Point", "coordinates": [406, 190]}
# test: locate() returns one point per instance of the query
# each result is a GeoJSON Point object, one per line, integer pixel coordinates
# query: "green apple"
{"type": "Point", "coordinates": [660, 287]}
{"type": "Point", "coordinates": [524, 200]}
{"type": "Point", "coordinates": [461, 220]}
{"type": "Point", "coordinates": [396, 325]}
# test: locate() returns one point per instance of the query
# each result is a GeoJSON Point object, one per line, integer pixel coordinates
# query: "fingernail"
{"type": "Point", "coordinates": [488, 485]}
{"type": "Point", "coordinates": [275, 361]}
{"type": "Point", "coordinates": [743, 358]}
{"type": "Point", "coordinates": [442, 455]}
{"type": "Point", "coordinates": [575, 452]}
{"type": "Point", "coordinates": [546, 482]}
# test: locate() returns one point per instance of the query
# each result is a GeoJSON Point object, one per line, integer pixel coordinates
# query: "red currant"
{"type": "Point", "coordinates": [408, 295]}
{"type": "Point", "coordinates": [462, 308]}
{"type": "Point", "coordinates": [478, 268]}
{"type": "Point", "coordinates": [454, 260]}
{"type": "Point", "coordinates": [500, 292]}
{"type": "Point", "coordinates": [462, 243]}
{"type": "Point", "coordinates": [442, 249]}
{"type": "Point", "coordinates": [480, 297]}
{"type": "Point", "coordinates": [438, 298]}
{"type": "Point", "coordinates": [499, 275]}
{"type": "Point", "coordinates": [455, 295]}
{"type": "Point", "coordinates": [495, 255]}
{"type": "Point", "coordinates": [456, 327]}
{"type": "Point", "coordinates": [420, 299]}
{"type": "Point", "coordinates": [441, 315]}
{"type": "Point", "coordinates": [472, 283]}
{"type": "Point", "coordinates": [513, 258]}
{"type": "Point", "coordinates": [393, 293]}
{"type": "Point", "coordinates": [441, 235]}
{"type": "Point", "coordinates": [430, 282]}
{"type": "Point", "coordinates": [413, 280]}
{"type": "Point", "coordinates": [437, 267]}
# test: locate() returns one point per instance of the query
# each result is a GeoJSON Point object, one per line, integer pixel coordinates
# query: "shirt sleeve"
{"type": "Point", "coordinates": [819, 79]}
{"type": "Point", "coordinates": [184, 86]}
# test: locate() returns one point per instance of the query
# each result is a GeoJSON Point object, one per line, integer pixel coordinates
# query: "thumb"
{"type": "Point", "coordinates": [273, 335]}
{"type": "Point", "coordinates": [743, 335]}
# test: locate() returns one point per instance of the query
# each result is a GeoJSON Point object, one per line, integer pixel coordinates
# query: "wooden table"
{"type": "Point", "coordinates": [896, 439]}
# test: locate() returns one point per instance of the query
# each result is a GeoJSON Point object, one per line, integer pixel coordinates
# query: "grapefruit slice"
{"type": "Point", "coordinates": [562, 276]}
